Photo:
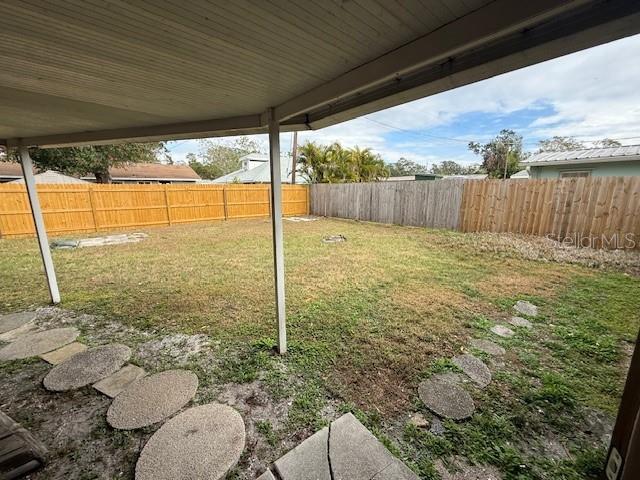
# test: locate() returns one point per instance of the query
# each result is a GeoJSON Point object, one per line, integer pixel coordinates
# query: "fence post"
{"type": "Point", "coordinates": [93, 208]}
{"type": "Point", "coordinates": [308, 188]}
{"type": "Point", "coordinates": [166, 202]}
{"type": "Point", "coordinates": [224, 202]}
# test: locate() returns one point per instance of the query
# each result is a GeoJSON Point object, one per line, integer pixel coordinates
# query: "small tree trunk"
{"type": "Point", "coordinates": [102, 176]}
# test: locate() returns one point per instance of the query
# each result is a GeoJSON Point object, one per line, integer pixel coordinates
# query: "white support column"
{"type": "Point", "coordinates": [41, 233]}
{"type": "Point", "coordinates": [276, 222]}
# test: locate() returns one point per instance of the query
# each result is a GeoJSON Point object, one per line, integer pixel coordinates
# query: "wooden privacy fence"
{"type": "Point", "coordinates": [595, 211]}
{"type": "Point", "coordinates": [592, 211]}
{"type": "Point", "coordinates": [429, 204]}
{"type": "Point", "coordinates": [91, 208]}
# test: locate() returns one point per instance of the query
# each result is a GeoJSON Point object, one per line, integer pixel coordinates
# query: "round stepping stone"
{"type": "Point", "coordinates": [526, 308]}
{"type": "Point", "coordinates": [87, 367]}
{"type": "Point", "coordinates": [152, 399]}
{"type": "Point", "coordinates": [502, 331]}
{"type": "Point", "coordinates": [520, 322]}
{"type": "Point", "coordinates": [201, 442]}
{"type": "Point", "coordinates": [38, 343]}
{"type": "Point", "coordinates": [487, 346]}
{"type": "Point", "coordinates": [474, 368]}
{"type": "Point", "coordinates": [445, 398]}
{"type": "Point", "coordinates": [15, 320]}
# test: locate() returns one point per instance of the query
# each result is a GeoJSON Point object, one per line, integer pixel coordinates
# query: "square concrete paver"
{"type": "Point", "coordinates": [266, 476]}
{"type": "Point", "coordinates": [357, 454]}
{"type": "Point", "coordinates": [308, 461]}
{"type": "Point", "coordinates": [64, 353]}
{"type": "Point", "coordinates": [116, 383]}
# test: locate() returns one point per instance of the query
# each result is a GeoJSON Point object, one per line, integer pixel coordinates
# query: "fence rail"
{"type": "Point", "coordinates": [91, 208]}
{"type": "Point", "coordinates": [602, 212]}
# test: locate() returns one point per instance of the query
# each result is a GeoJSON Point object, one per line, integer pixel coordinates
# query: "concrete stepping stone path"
{"type": "Point", "coordinates": [152, 399]}
{"type": "Point", "coordinates": [12, 321]}
{"type": "Point", "coordinates": [445, 398]}
{"type": "Point", "coordinates": [201, 442]}
{"type": "Point", "coordinates": [502, 331]}
{"type": "Point", "coordinates": [520, 322]}
{"type": "Point", "coordinates": [526, 308]}
{"type": "Point", "coordinates": [344, 450]}
{"type": "Point", "coordinates": [87, 367]}
{"type": "Point", "coordinates": [34, 344]}
{"type": "Point", "coordinates": [487, 346]}
{"type": "Point", "coordinates": [474, 368]}
{"type": "Point", "coordinates": [13, 335]}
{"type": "Point", "coordinates": [64, 353]}
{"type": "Point", "coordinates": [114, 384]}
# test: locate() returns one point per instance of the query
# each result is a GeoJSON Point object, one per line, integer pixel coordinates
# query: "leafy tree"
{"type": "Point", "coordinates": [217, 157]}
{"type": "Point", "coordinates": [559, 144]}
{"type": "Point", "coordinates": [449, 167]}
{"type": "Point", "coordinates": [405, 166]}
{"type": "Point", "coordinates": [97, 159]}
{"type": "Point", "coordinates": [504, 150]}
{"type": "Point", "coordinates": [336, 164]}
{"type": "Point", "coordinates": [606, 143]}
{"type": "Point", "coordinates": [562, 144]}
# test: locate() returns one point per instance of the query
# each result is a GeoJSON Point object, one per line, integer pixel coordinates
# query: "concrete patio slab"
{"type": "Point", "coordinates": [502, 331]}
{"type": "Point", "coordinates": [526, 308]}
{"type": "Point", "coordinates": [152, 399]}
{"type": "Point", "coordinates": [87, 367]}
{"type": "Point", "coordinates": [63, 354]}
{"type": "Point", "coordinates": [356, 454]}
{"type": "Point", "coordinates": [38, 343]}
{"type": "Point", "coordinates": [202, 442]}
{"type": "Point", "coordinates": [474, 368]}
{"type": "Point", "coordinates": [308, 461]}
{"type": "Point", "coordinates": [114, 384]}
{"type": "Point", "coordinates": [445, 398]}
{"type": "Point", "coordinates": [487, 346]}
{"type": "Point", "coordinates": [520, 322]}
{"type": "Point", "coordinates": [12, 321]}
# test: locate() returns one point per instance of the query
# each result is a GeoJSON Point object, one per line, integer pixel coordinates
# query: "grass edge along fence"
{"type": "Point", "coordinates": [599, 212]}
{"type": "Point", "coordinates": [94, 207]}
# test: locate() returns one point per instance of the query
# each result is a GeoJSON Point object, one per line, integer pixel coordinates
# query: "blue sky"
{"type": "Point", "coordinates": [590, 95]}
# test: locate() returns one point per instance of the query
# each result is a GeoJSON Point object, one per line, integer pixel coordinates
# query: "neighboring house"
{"type": "Point", "coordinates": [521, 175]}
{"type": "Point", "coordinates": [150, 173]}
{"type": "Point", "coordinates": [411, 178]}
{"type": "Point", "coordinates": [593, 162]}
{"type": "Point", "coordinates": [10, 171]}
{"type": "Point", "coordinates": [255, 169]}
{"type": "Point", "coordinates": [50, 177]}
{"type": "Point", "coordinates": [471, 176]}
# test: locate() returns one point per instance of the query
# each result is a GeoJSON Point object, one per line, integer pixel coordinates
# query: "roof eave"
{"type": "Point", "coordinates": [580, 161]}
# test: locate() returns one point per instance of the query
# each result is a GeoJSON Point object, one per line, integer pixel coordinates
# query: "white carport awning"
{"type": "Point", "coordinates": [76, 72]}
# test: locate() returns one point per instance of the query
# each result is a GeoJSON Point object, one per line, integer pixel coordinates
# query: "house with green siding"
{"type": "Point", "coordinates": [592, 162]}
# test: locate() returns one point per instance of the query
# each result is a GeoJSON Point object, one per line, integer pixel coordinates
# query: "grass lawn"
{"type": "Point", "coordinates": [368, 319]}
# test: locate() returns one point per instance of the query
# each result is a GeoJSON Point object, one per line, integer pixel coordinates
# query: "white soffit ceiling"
{"type": "Point", "coordinates": [95, 71]}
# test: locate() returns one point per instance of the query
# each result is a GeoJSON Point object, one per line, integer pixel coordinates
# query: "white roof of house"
{"type": "Point", "coordinates": [588, 155]}
{"type": "Point", "coordinates": [51, 176]}
{"type": "Point", "coordinates": [74, 73]}
{"type": "Point", "coordinates": [522, 174]}
{"type": "Point", "coordinates": [261, 173]}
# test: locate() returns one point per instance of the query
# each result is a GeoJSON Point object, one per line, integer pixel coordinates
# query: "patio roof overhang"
{"type": "Point", "coordinates": [122, 71]}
